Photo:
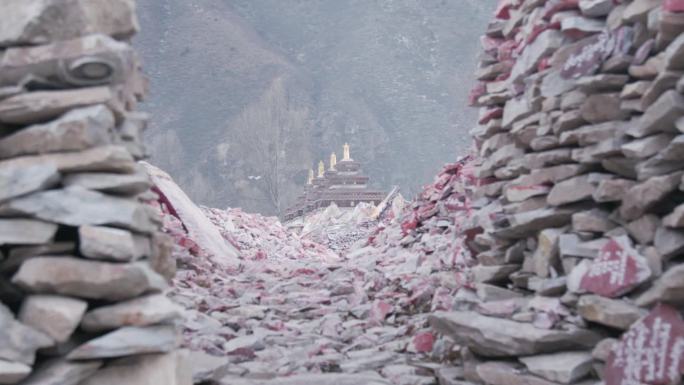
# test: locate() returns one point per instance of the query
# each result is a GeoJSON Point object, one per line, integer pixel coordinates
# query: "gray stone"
{"type": "Point", "coordinates": [103, 159]}
{"type": "Point", "coordinates": [546, 254]}
{"type": "Point", "coordinates": [669, 242]}
{"type": "Point", "coordinates": [26, 232]}
{"type": "Point", "coordinates": [674, 150]}
{"type": "Point", "coordinates": [665, 81]}
{"type": "Point", "coordinates": [592, 134]}
{"type": "Point", "coordinates": [569, 120]}
{"type": "Point", "coordinates": [575, 189]}
{"type": "Point", "coordinates": [17, 255]}
{"type": "Point", "coordinates": [656, 166]}
{"type": "Point", "coordinates": [18, 342]}
{"type": "Point", "coordinates": [128, 341]}
{"type": "Point", "coordinates": [62, 372]}
{"type": "Point", "coordinates": [505, 373]}
{"type": "Point", "coordinates": [152, 369]}
{"type": "Point", "coordinates": [516, 109]}
{"type": "Point", "coordinates": [614, 313]}
{"type": "Point", "coordinates": [604, 348]}
{"type": "Point", "coordinates": [547, 175]}
{"type": "Point", "coordinates": [602, 83]}
{"type": "Point", "coordinates": [660, 116]}
{"type": "Point", "coordinates": [29, 22]}
{"type": "Point", "coordinates": [87, 279]}
{"type": "Point", "coordinates": [621, 166]}
{"type": "Point", "coordinates": [598, 108]}
{"type": "Point", "coordinates": [551, 287]}
{"type": "Point", "coordinates": [594, 221]}
{"type": "Point", "coordinates": [647, 147]}
{"type": "Point", "coordinates": [529, 222]}
{"type": "Point", "coordinates": [564, 368]}
{"type": "Point", "coordinates": [543, 143]}
{"type": "Point", "coordinates": [488, 293]}
{"type": "Point", "coordinates": [581, 24]}
{"type": "Point", "coordinates": [53, 315]}
{"type": "Point", "coordinates": [76, 206]}
{"type": "Point", "coordinates": [145, 311]}
{"type": "Point", "coordinates": [545, 44]}
{"type": "Point", "coordinates": [124, 184]}
{"type": "Point", "coordinates": [78, 129]}
{"type": "Point", "coordinates": [61, 64]}
{"type": "Point", "coordinates": [675, 218]}
{"type": "Point", "coordinates": [640, 198]}
{"type": "Point", "coordinates": [107, 243]}
{"type": "Point", "coordinates": [18, 181]}
{"type": "Point", "coordinates": [674, 54]}
{"type": "Point", "coordinates": [493, 274]}
{"type": "Point", "coordinates": [522, 193]}
{"type": "Point", "coordinates": [643, 229]}
{"type": "Point", "coordinates": [635, 90]}
{"type": "Point", "coordinates": [496, 337]}
{"type": "Point", "coordinates": [637, 11]}
{"type": "Point", "coordinates": [13, 372]}
{"type": "Point", "coordinates": [596, 8]}
{"type": "Point", "coordinates": [669, 288]}
{"type": "Point", "coordinates": [41, 106]}
{"type": "Point", "coordinates": [548, 158]}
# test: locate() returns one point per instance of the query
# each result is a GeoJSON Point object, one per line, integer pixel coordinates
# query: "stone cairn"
{"type": "Point", "coordinates": [580, 271]}
{"type": "Point", "coordinates": [82, 260]}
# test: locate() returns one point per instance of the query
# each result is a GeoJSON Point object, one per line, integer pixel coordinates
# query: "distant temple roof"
{"type": "Point", "coordinates": [343, 183]}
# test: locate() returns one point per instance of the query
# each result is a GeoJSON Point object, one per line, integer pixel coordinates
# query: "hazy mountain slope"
{"type": "Point", "coordinates": [390, 77]}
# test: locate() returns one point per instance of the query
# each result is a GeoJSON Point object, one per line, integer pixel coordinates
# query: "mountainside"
{"type": "Point", "coordinates": [384, 76]}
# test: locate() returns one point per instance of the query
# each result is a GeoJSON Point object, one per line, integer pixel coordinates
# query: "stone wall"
{"type": "Point", "coordinates": [579, 275]}
{"type": "Point", "coordinates": [82, 261]}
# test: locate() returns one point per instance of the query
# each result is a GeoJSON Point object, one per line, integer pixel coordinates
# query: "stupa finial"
{"type": "Point", "coordinates": [333, 161]}
{"type": "Point", "coordinates": [347, 152]}
{"type": "Point", "coordinates": [321, 169]}
{"type": "Point", "coordinates": [311, 177]}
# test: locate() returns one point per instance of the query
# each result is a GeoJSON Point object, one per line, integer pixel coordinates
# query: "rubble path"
{"type": "Point", "coordinates": [293, 312]}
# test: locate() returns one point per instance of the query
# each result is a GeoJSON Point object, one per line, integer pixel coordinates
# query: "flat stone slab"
{"type": "Point", "coordinates": [149, 369]}
{"type": "Point", "coordinates": [143, 311]}
{"type": "Point", "coordinates": [99, 159]}
{"type": "Point", "coordinates": [41, 106]}
{"type": "Point", "coordinates": [62, 372]}
{"type": "Point", "coordinates": [564, 367]}
{"type": "Point", "coordinates": [497, 337]}
{"type": "Point", "coordinates": [13, 372]}
{"type": "Point", "coordinates": [108, 243]}
{"type": "Point", "coordinates": [610, 312]}
{"type": "Point", "coordinates": [26, 232]}
{"type": "Point", "coordinates": [53, 315]}
{"type": "Point", "coordinates": [124, 184]}
{"type": "Point", "coordinates": [128, 341]}
{"type": "Point", "coordinates": [18, 181]}
{"type": "Point", "coordinates": [87, 279]}
{"type": "Point", "coordinates": [18, 342]}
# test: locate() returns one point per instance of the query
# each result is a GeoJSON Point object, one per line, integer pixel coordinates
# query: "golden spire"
{"type": "Point", "coordinates": [311, 176]}
{"type": "Point", "coordinates": [333, 161]}
{"type": "Point", "coordinates": [347, 155]}
{"type": "Point", "coordinates": [321, 169]}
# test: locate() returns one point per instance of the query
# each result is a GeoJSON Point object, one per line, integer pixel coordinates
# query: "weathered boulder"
{"type": "Point", "coordinates": [496, 337]}
{"type": "Point", "coordinates": [87, 279]}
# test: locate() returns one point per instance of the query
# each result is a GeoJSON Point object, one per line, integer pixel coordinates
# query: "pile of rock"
{"type": "Point", "coordinates": [81, 298]}
{"type": "Point", "coordinates": [580, 275]}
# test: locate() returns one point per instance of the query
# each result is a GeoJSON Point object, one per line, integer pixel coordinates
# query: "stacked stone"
{"type": "Point", "coordinates": [80, 283]}
{"type": "Point", "coordinates": [580, 274]}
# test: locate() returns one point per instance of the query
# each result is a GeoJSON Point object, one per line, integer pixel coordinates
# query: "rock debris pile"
{"type": "Point", "coordinates": [83, 262]}
{"type": "Point", "coordinates": [580, 275]}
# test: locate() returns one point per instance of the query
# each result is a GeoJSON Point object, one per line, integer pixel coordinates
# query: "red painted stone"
{"type": "Point", "coordinates": [673, 6]}
{"type": "Point", "coordinates": [617, 270]}
{"type": "Point", "coordinates": [423, 342]}
{"type": "Point", "coordinates": [379, 311]}
{"type": "Point", "coordinates": [492, 113]}
{"type": "Point", "coordinates": [650, 352]}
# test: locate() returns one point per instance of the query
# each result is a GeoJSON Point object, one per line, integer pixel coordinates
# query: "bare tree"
{"type": "Point", "coordinates": [272, 131]}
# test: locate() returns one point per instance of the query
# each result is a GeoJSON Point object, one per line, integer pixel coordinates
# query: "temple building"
{"type": "Point", "coordinates": [343, 184]}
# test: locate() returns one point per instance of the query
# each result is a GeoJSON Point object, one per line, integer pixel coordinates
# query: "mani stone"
{"type": "Point", "coordinates": [660, 116]}
{"type": "Point", "coordinates": [26, 232]}
{"type": "Point", "coordinates": [78, 129]}
{"type": "Point", "coordinates": [564, 368]}
{"type": "Point", "coordinates": [575, 189]}
{"type": "Point", "coordinates": [124, 184]}
{"type": "Point", "coordinates": [62, 372]}
{"type": "Point", "coordinates": [645, 195]}
{"type": "Point", "coordinates": [87, 279]}
{"type": "Point", "coordinates": [13, 372]}
{"type": "Point", "coordinates": [669, 288]}
{"type": "Point", "coordinates": [107, 243]}
{"type": "Point", "coordinates": [145, 311]}
{"type": "Point", "coordinates": [497, 337]}
{"type": "Point", "coordinates": [30, 22]}
{"type": "Point", "coordinates": [18, 181]}
{"type": "Point", "coordinates": [53, 315]}
{"type": "Point", "coordinates": [41, 106]}
{"type": "Point", "coordinates": [127, 341]}
{"type": "Point", "coordinates": [18, 342]}
{"type": "Point", "coordinates": [614, 313]}
{"type": "Point", "coordinates": [104, 159]}
{"type": "Point", "coordinates": [76, 206]}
